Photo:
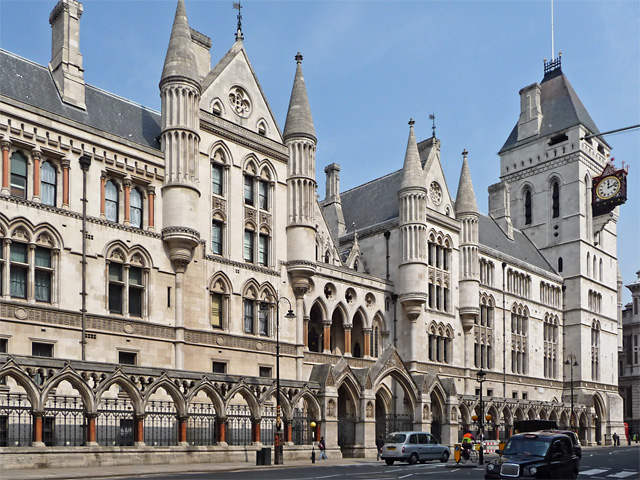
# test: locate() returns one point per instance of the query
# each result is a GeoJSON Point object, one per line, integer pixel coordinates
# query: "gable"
{"type": "Point", "coordinates": [439, 198]}
{"type": "Point", "coordinates": [232, 91]}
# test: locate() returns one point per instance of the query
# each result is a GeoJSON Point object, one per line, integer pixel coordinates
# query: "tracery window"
{"type": "Point", "coordinates": [219, 290]}
{"type": "Point", "coordinates": [19, 175]}
{"type": "Point", "coordinates": [135, 208]}
{"type": "Point", "coordinates": [550, 346]}
{"type": "Point", "coordinates": [528, 206]}
{"type": "Point", "coordinates": [518, 283]}
{"type": "Point", "coordinates": [519, 333]}
{"type": "Point", "coordinates": [487, 271]}
{"type": "Point", "coordinates": [127, 275]}
{"type": "Point", "coordinates": [595, 350]}
{"type": "Point", "coordinates": [111, 201]}
{"type": "Point", "coordinates": [48, 184]}
{"type": "Point", "coordinates": [483, 332]}
{"type": "Point", "coordinates": [440, 338]}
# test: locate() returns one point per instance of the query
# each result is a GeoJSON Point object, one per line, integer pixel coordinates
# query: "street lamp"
{"type": "Point", "coordinates": [278, 453]}
{"type": "Point", "coordinates": [481, 376]}
{"type": "Point", "coordinates": [573, 362]}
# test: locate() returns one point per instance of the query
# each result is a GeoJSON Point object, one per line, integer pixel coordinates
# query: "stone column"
{"type": "Point", "coordinates": [347, 340]}
{"type": "Point", "coordinates": [366, 426]}
{"type": "Point", "coordinates": [37, 429]}
{"type": "Point", "coordinates": [6, 277]}
{"type": "Point", "coordinates": [329, 401]}
{"type": "Point", "coordinates": [327, 336]}
{"type": "Point", "coordinates": [127, 201]}
{"type": "Point", "coordinates": [66, 164]}
{"type": "Point", "coordinates": [288, 437]}
{"type": "Point", "coordinates": [37, 156]}
{"type": "Point", "coordinates": [91, 430]}
{"type": "Point", "coordinates": [103, 184]}
{"type": "Point", "coordinates": [31, 275]}
{"type": "Point", "coordinates": [367, 342]}
{"type": "Point", "coordinates": [299, 294]}
{"type": "Point", "coordinates": [180, 268]}
{"type": "Point", "coordinates": [151, 191]}
{"type": "Point", "coordinates": [182, 430]}
{"type": "Point", "coordinates": [256, 430]}
{"type": "Point", "coordinates": [305, 333]}
{"type": "Point", "coordinates": [6, 146]}
{"type": "Point", "coordinates": [222, 431]}
{"type": "Point", "coordinates": [138, 431]}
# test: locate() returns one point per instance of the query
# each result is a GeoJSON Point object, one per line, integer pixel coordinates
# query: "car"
{"type": "Point", "coordinates": [574, 439]}
{"type": "Point", "coordinates": [535, 455]}
{"type": "Point", "coordinates": [413, 447]}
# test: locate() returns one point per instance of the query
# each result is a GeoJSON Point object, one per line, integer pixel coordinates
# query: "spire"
{"type": "Point", "coordinates": [466, 197]}
{"type": "Point", "coordinates": [412, 174]}
{"type": "Point", "coordinates": [180, 60]}
{"type": "Point", "coordinates": [238, 6]}
{"type": "Point", "coordinates": [299, 121]}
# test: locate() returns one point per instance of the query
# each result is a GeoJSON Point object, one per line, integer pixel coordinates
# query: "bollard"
{"type": "Point", "coordinates": [313, 454]}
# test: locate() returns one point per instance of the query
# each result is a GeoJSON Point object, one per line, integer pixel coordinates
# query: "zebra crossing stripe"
{"type": "Point", "coordinates": [594, 471]}
{"type": "Point", "coordinates": [623, 474]}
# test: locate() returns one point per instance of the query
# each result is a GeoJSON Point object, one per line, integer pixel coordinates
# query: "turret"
{"type": "Point", "coordinates": [66, 59]}
{"type": "Point", "coordinates": [300, 136]}
{"type": "Point", "coordinates": [412, 198]}
{"type": "Point", "coordinates": [467, 213]}
{"type": "Point", "coordinates": [180, 94]}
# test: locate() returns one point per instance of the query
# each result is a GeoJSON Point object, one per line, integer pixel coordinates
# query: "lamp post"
{"type": "Point", "coordinates": [278, 454]}
{"type": "Point", "coordinates": [573, 362]}
{"type": "Point", "coordinates": [85, 163]}
{"type": "Point", "coordinates": [481, 377]}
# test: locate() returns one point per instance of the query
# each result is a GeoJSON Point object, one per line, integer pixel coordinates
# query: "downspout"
{"type": "Point", "coordinates": [85, 163]}
{"type": "Point", "coordinates": [504, 335]}
{"type": "Point", "coordinates": [387, 234]}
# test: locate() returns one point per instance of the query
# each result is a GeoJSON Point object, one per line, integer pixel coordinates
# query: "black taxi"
{"type": "Point", "coordinates": [535, 455]}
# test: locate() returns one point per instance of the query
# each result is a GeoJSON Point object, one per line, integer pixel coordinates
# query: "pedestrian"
{"type": "Point", "coordinates": [379, 444]}
{"type": "Point", "coordinates": [636, 437]}
{"type": "Point", "coordinates": [615, 439]}
{"type": "Point", "coordinates": [323, 448]}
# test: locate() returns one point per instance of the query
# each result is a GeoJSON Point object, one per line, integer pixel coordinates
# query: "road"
{"type": "Point", "coordinates": [597, 463]}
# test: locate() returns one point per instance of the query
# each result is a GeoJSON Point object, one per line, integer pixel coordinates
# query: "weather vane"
{"type": "Point", "coordinates": [238, 6]}
{"type": "Point", "coordinates": [433, 127]}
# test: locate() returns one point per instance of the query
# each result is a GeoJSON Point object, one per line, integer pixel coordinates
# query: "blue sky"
{"type": "Point", "coordinates": [371, 65]}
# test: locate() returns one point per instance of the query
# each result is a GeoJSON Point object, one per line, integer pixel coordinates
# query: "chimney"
{"type": "Point", "coordinates": [66, 59]}
{"type": "Point", "coordinates": [332, 203]}
{"type": "Point", "coordinates": [530, 112]}
{"type": "Point", "coordinates": [499, 207]}
{"type": "Point", "coordinates": [201, 46]}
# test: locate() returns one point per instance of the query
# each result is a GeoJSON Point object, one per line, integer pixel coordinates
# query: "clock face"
{"type": "Point", "coordinates": [608, 187]}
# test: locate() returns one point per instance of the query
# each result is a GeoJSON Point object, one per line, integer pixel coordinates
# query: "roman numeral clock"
{"type": "Point", "coordinates": [609, 189]}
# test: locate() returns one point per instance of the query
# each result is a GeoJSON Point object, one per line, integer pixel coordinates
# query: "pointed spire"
{"type": "Point", "coordinates": [466, 197]}
{"type": "Point", "coordinates": [239, 36]}
{"type": "Point", "coordinates": [180, 60]}
{"type": "Point", "coordinates": [299, 121]}
{"type": "Point", "coordinates": [412, 174]}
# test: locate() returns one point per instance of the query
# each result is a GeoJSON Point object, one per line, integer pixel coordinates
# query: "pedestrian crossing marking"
{"type": "Point", "coordinates": [623, 474]}
{"type": "Point", "coordinates": [594, 471]}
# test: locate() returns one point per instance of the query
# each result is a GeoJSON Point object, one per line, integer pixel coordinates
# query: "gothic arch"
{"type": "Point", "coordinates": [386, 396]}
{"type": "Point", "coordinates": [250, 165]}
{"type": "Point", "coordinates": [341, 310]}
{"type": "Point", "coordinates": [70, 375]}
{"type": "Point", "coordinates": [251, 289]}
{"type": "Point", "coordinates": [224, 149]}
{"type": "Point", "coordinates": [311, 399]}
{"type": "Point", "coordinates": [219, 282]}
{"type": "Point", "coordinates": [167, 384]}
{"type": "Point", "coordinates": [320, 304]}
{"type": "Point", "coordinates": [267, 172]}
{"type": "Point", "coordinates": [42, 231]}
{"type": "Point", "coordinates": [120, 379]}
{"type": "Point", "coordinates": [352, 387]}
{"type": "Point", "coordinates": [11, 369]}
{"type": "Point", "coordinates": [268, 293]}
{"type": "Point", "coordinates": [366, 323]}
{"type": "Point", "coordinates": [216, 399]}
{"type": "Point", "coordinates": [285, 404]}
{"type": "Point", "coordinates": [243, 389]}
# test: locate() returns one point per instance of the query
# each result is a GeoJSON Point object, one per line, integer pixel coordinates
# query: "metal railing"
{"type": "Point", "coordinates": [115, 422]}
{"type": "Point", "coordinates": [201, 425]}
{"type": "Point", "coordinates": [15, 420]}
{"type": "Point", "coordinates": [160, 424]}
{"type": "Point", "coordinates": [239, 421]}
{"type": "Point", "coordinates": [64, 422]}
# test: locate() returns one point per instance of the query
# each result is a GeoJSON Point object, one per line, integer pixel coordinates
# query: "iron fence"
{"type": "Point", "coordinates": [301, 428]}
{"type": "Point", "coordinates": [346, 431]}
{"type": "Point", "coordinates": [201, 426]}
{"type": "Point", "coordinates": [268, 425]}
{"type": "Point", "coordinates": [239, 425]}
{"type": "Point", "coordinates": [398, 422]}
{"type": "Point", "coordinates": [160, 424]}
{"type": "Point", "coordinates": [15, 420]}
{"type": "Point", "coordinates": [115, 422]}
{"type": "Point", "coordinates": [64, 422]}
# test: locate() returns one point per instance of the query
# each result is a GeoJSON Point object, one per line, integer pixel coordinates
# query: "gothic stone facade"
{"type": "Point", "coordinates": [159, 325]}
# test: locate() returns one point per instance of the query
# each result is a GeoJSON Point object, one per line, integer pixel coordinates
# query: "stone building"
{"type": "Point", "coordinates": [629, 360]}
{"type": "Point", "coordinates": [149, 258]}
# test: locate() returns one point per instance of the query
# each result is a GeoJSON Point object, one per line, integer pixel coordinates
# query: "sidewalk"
{"type": "Point", "coordinates": [132, 470]}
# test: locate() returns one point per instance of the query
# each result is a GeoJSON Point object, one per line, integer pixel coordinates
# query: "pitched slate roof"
{"type": "Point", "coordinates": [561, 109]}
{"type": "Point", "coordinates": [377, 201]}
{"type": "Point", "coordinates": [30, 83]}
{"type": "Point", "coordinates": [521, 248]}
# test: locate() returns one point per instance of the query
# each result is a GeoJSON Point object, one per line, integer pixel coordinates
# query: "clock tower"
{"type": "Point", "coordinates": [563, 199]}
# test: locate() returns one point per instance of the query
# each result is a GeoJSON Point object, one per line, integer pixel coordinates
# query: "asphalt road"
{"type": "Point", "coordinates": [597, 463]}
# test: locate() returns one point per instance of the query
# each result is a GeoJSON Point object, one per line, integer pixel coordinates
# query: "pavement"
{"type": "Point", "coordinates": [131, 470]}
{"type": "Point", "coordinates": [146, 469]}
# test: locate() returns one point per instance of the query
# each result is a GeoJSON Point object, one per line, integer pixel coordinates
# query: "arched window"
{"type": "Point", "coordinates": [37, 267]}
{"type": "Point", "coordinates": [595, 351]}
{"type": "Point", "coordinates": [111, 201]}
{"type": "Point", "coordinates": [19, 175]}
{"type": "Point", "coordinates": [527, 207]}
{"type": "Point", "coordinates": [216, 179]}
{"type": "Point", "coordinates": [135, 208]}
{"type": "Point", "coordinates": [48, 184]}
{"type": "Point", "coordinates": [483, 332]}
{"type": "Point", "coordinates": [555, 199]}
{"type": "Point", "coordinates": [216, 236]}
{"type": "Point", "coordinates": [560, 264]}
{"type": "Point", "coordinates": [128, 279]}
{"type": "Point", "coordinates": [263, 249]}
